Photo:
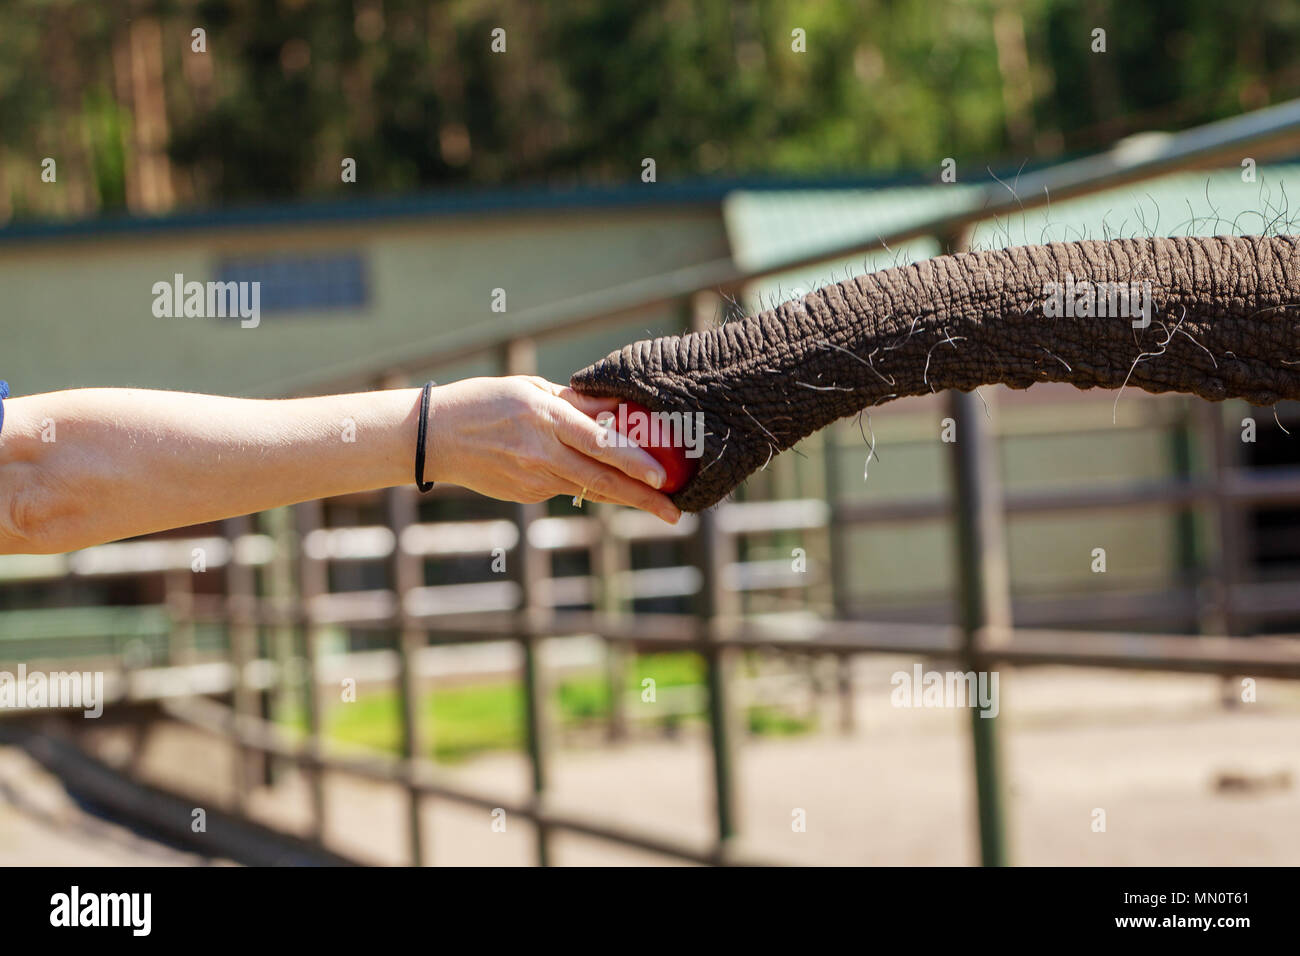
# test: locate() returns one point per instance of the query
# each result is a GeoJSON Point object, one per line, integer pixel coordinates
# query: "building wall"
{"type": "Point", "coordinates": [1044, 446]}
{"type": "Point", "coordinates": [80, 312]}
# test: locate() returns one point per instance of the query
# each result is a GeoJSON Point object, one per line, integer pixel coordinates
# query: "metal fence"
{"type": "Point", "coordinates": [294, 605]}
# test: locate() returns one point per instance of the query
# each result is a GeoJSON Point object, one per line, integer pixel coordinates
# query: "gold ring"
{"type": "Point", "coordinates": [577, 499]}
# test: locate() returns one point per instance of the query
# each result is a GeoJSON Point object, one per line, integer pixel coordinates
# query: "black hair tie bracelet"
{"type": "Point", "coordinates": [420, 440]}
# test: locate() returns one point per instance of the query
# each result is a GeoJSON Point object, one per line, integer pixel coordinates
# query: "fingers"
{"type": "Point", "coordinates": [603, 483]}
{"type": "Point", "coordinates": [588, 437]}
{"type": "Point", "coordinates": [580, 457]}
{"type": "Point", "coordinates": [588, 404]}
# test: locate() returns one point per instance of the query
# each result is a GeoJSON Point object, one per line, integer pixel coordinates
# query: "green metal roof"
{"type": "Point", "coordinates": [773, 226]}
{"type": "Point", "coordinates": [447, 202]}
{"type": "Point", "coordinates": [768, 228]}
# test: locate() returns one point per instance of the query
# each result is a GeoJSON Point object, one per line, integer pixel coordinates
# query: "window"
{"type": "Point", "coordinates": [295, 283]}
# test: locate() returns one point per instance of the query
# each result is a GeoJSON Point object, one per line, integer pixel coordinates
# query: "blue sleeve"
{"type": "Point", "coordinates": [4, 393]}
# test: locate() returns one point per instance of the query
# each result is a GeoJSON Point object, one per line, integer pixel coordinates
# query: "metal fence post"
{"type": "Point", "coordinates": [609, 558]}
{"type": "Point", "coordinates": [313, 577]}
{"type": "Point", "coordinates": [407, 574]}
{"type": "Point", "coordinates": [1226, 557]}
{"type": "Point", "coordinates": [839, 557]}
{"type": "Point", "coordinates": [282, 588]}
{"type": "Point", "coordinates": [984, 611]}
{"type": "Point", "coordinates": [983, 587]}
{"type": "Point", "coordinates": [401, 509]}
{"type": "Point", "coordinates": [532, 569]}
{"type": "Point", "coordinates": [714, 550]}
{"type": "Point", "coordinates": [241, 597]}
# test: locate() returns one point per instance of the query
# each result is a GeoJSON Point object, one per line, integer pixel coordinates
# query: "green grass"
{"type": "Point", "coordinates": [768, 721]}
{"type": "Point", "coordinates": [474, 718]}
{"type": "Point", "coordinates": [465, 720]}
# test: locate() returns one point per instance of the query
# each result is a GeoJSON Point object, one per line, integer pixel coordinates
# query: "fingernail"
{"type": "Point", "coordinates": [655, 478]}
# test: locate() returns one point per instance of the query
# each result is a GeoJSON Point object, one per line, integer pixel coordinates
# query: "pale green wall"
{"type": "Point", "coordinates": [80, 312]}
{"type": "Point", "coordinates": [1065, 441]}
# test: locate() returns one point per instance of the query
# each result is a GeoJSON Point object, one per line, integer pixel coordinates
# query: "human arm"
{"type": "Point", "coordinates": [85, 466]}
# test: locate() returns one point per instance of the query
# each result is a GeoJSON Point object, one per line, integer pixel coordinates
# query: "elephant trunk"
{"type": "Point", "coordinates": [1207, 316]}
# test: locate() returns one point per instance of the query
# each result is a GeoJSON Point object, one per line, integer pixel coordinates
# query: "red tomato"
{"type": "Point", "coordinates": [678, 468]}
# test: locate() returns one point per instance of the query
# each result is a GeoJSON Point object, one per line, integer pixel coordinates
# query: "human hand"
{"type": "Point", "coordinates": [522, 438]}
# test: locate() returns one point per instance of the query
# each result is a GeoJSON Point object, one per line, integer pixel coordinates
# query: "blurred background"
{"type": "Point", "coordinates": [438, 190]}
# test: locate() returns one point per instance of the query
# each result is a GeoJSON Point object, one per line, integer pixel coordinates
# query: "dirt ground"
{"type": "Point", "coordinates": [40, 825]}
{"type": "Point", "coordinates": [1181, 779]}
